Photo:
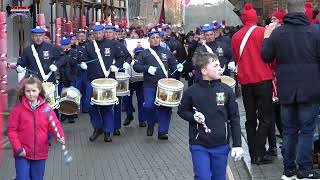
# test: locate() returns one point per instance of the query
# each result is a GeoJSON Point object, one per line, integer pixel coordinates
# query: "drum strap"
{"type": "Point", "coordinates": [155, 55]}
{"type": "Point", "coordinates": [36, 56]}
{"type": "Point", "coordinates": [209, 50]}
{"type": "Point", "coordinates": [103, 67]}
{"type": "Point", "coordinates": [245, 39]}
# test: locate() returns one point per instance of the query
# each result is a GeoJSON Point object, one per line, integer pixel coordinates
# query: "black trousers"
{"type": "Point", "coordinates": [277, 122]}
{"type": "Point", "coordinates": [257, 100]}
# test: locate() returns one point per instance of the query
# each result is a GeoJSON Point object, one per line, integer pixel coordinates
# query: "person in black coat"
{"type": "Point", "coordinates": [296, 47]}
{"type": "Point", "coordinates": [211, 109]}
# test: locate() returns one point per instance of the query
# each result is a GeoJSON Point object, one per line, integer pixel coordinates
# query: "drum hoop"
{"type": "Point", "coordinates": [99, 103]}
{"type": "Point", "coordinates": [105, 86]}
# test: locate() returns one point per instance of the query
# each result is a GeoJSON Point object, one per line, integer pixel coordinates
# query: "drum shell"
{"type": "Point", "coordinates": [169, 95]}
{"type": "Point", "coordinates": [104, 91]}
{"type": "Point", "coordinates": [229, 81]}
{"type": "Point", "coordinates": [50, 94]}
{"type": "Point", "coordinates": [70, 106]}
{"type": "Point", "coordinates": [134, 76]}
{"type": "Point", "coordinates": [123, 84]}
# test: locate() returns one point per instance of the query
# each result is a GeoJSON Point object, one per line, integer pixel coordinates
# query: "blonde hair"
{"type": "Point", "coordinates": [30, 80]}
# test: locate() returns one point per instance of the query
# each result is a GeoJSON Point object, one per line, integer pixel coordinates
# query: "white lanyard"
{"type": "Point", "coordinates": [36, 56]}
{"type": "Point", "coordinates": [155, 55]}
{"type": "Point", "coordinates": [209, 50]}
{"type": "Point", "coordinates": [103, 67]}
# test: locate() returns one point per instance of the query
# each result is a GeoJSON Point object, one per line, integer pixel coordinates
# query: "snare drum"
{"type": "Point", "coordinates": [51, 94]}
{"type": "Point", "coordinates": [123, 83]}
{"type": "Point", "coordinates": [70, 101]}
{"type": "Point", "coordinates": [229, 81]}
{"type": "Point", "coordinates": [134, 76]}
{"type": "Point", "coordinates": [169, 92]}
{"type": "Point", "coordinates": [104, 91]}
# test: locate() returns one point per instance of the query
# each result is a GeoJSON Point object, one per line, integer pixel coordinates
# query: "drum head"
{"type": "Point", "coordinates": [48, 86]}
{"type": "Point", "coordinates": [68, 107]}
{"type": "Point", "coordinates": [171, 83]}
{"type": "Point", "coordinates": [104, 82]}
{"type": "Point", "coordinates": [228, 81]}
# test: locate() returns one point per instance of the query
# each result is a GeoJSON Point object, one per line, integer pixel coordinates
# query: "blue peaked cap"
{"type": "Point", "coordinates": [65, 41]}
{"type": "Point", "coordinates": [38, 30]}
{"type": "Point", "coordinates": [207, 27]}
{"type": "Point", "coordinates": [97, 28]}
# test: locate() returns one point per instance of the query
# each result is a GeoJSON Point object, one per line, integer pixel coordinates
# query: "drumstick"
{"type": "Point", "coordinates": [206, 129]}
{"type": "Point", "coordinates": [67, 156]}
{"type": "Point", "coordinates": [90, 61]}
{"type": "Point", "coordinates": [177, 68]}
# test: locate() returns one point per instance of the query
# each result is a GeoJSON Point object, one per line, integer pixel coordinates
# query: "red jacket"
{"type": "Point", "coordinates": [251, 68]}
{"type": "Point", "coordinates": [29, 129]}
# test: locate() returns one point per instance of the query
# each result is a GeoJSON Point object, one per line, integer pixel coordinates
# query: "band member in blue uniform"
{"type": "Point", "coordinates": [110, 33]}
{"type": "Point", "coordinates": [155, 63]}
{"type": "Point", "coordinates": [68, 72]}
{"type": "Point", "coordinates": [102, 117]}
{"type": "Point", "coordinates": [73, 40]}
{"type": "Point", "coordinates": [82, 74]}
{"type": "Point", "coordinates": [212, 46]}
{"type": "Point", "coordinates": [136, 85]}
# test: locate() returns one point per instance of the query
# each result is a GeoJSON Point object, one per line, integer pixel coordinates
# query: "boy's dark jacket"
{"type": "Point", "coordinates": [204, 96]}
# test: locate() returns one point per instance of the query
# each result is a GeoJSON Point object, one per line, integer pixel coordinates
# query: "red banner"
{"type": "Point", "coordinates": [162, 18]}
{"type": "Point", "coordinates": [1, 126]}
{"type": "Point", "coordinates": [186, 2]}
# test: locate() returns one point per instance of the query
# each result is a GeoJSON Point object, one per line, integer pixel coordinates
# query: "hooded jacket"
{"type": "Point", "coordinates": [296, 47]}
{"type": "Point", "coordinates": [28, 129]}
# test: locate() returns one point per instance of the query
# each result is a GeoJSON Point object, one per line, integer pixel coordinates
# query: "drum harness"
{"type": "Point", "coordinates": [155, 55]}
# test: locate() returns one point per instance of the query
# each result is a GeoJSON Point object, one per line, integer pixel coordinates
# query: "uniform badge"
{"type": "Point", "coordinates": [220, 99]}
{"type": "Point", "coordinates": [45, 54]}
{"type": "Point", "coordinates": [107, 51]}
{"type": "Point", "coordinates": [164, 57]}
{"type": "Point", "coordinates": [220, 51]}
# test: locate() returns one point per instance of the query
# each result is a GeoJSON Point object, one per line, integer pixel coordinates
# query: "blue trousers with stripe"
{"type": "Point", "coordinates": [127, 100]}
{"type": "Point", "coordinates": [153, 112]}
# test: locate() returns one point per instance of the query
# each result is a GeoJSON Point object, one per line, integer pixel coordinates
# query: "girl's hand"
{"type": "Point", "coordinates": [23, 153]}
{"type": "Point", "coordinates": [61, 141]}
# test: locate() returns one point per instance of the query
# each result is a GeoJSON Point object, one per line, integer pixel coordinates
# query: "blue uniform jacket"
{"type": "Point", "coordinates": [145, 59]}
{"type": "Point", "coordinates": [217, 102]}
{"type": "Point", "coordinates": [48, 54]}
{"type": "Point", "coordinates": [110, 53]}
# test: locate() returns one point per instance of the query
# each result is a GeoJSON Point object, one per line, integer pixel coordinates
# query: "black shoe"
{"type": "Point", "coordinates": [63, 118]}
{"type": "Point", "coordinates": [253, 160]}
{"type": "Point", "coordinates": [272, 152]}
{"type": "Point", "coordinates": [128, 120]}
{"type": "Point", "coordinates": [306, 175]}
{"type": "Point", "coordinates": [289, 175]}
{"type": "Point", "coordinates": [107, 137]}
{"type": "Point", "coordinates": [266, 159]}
{"type": "Point", "coordinates": [142, 124]}
{"type": "Point", "coordinates": [150, 131]}
{"type": "Point", "coordinates": [162, 136]}
{"type": "Point", "coordinates": [95, 135]}
{"type": "Point", "coordinates": [71, 120]}
{"type": "Point", "coordinates": [116, 132]}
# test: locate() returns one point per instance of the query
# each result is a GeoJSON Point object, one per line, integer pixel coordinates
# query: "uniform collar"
{"type": "Point", "coordinates": [207, 83]}
{"type": "Point", "coordinates": [155, 47]}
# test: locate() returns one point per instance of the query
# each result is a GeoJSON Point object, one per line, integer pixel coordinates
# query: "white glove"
{"type": "Point", "coordinates": [232, 66]}
{"type": "Point", "coordinates": [237, 153]}
{"type": "Point", "coordinates": [126, 65]}
{"type": "Point", "coordinates": [20, 69]}
{"type": "Point", "coordinates": [53, 68]}
{"type": "Point", "coordinates": [83, 66]}
{"type": "Point", "coordinates": [180, 67]}
{"type": "Point", "coordinates": [114, 68]}
{"type": "Point", "coordinates": [132, 62]}
{"type": "Point", "coordinates": [199, 117]}
{"type": "Point", "coordinates": [152, 70]}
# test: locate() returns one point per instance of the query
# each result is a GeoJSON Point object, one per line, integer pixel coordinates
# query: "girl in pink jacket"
{"type": "Point", "coordinates": [28, 129]}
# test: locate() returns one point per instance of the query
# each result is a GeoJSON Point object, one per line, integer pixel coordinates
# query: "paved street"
{"type": "Point", "coordinates": [133, 155]}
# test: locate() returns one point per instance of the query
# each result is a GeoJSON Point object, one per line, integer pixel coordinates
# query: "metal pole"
{"type": "Point", "coordinates": [51, 21]}
{"type": "Point", "coordinates": [127, 13]}
{"type": "Point", "coordinates": [34, 13]}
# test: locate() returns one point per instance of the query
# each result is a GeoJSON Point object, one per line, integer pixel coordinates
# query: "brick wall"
{"type": "Point", "coordinates": [270, 6]}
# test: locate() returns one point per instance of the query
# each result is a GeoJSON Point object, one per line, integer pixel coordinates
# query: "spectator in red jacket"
{"type": "Point", "coordinates": [28, 129]}
{"type": "Point", "coordinates": [255, 78]}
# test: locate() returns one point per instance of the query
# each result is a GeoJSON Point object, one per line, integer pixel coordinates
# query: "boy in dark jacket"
{"type": "Point", "coordinates": [212, 111]}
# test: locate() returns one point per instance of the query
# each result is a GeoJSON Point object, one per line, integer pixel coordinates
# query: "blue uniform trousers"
{"type": "Point", "coordinates": [117, 114]}
{"type": "Point", "coordinates": [82, 81]}
{"type": "Point", "coordinates": [153, 112]}
{"type": "Point", "coordinates": [29, 169]}
{"type": "Point", "coordinates": [209, 163]}
{"type": "Point", "coordinates": [101, 117]}
{"type": "Point", "coordinates": [127, 100]}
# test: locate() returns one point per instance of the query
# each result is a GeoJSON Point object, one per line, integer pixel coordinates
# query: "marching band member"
{"type": "Point", "coordinates": [73, 40]}
{"type": "Point", "coordinates": [68, 72]}
{"type": "Point", "coordinates": [155, 63]}
{"type": "Point", "coordinates": [109, 58]}
{"type": "Point", "coordinates": [127, 100]}
{"type": "Point", "coordinates": [110, 33]}
{"type": "Point", "coordinates": [212, 46]}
